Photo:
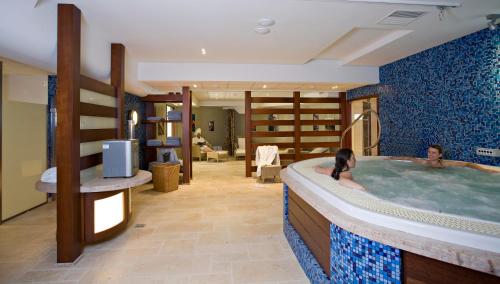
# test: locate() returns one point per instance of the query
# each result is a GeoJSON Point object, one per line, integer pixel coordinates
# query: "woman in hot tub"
{"type": "Point", "coordinates": [344, 161]}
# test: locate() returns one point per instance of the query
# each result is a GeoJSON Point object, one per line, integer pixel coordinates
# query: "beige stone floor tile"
{"type": "Point", "coordinates": [222, 228]}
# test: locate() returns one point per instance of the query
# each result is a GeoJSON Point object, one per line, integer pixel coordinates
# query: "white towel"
{"type": "Point", "coordinates": [49, 175]}
{"type": "Point", "coordinates": [266, 156]}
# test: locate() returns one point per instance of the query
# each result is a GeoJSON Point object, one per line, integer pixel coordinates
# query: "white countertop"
{"type": "Point", "coordinates": [101, 184]}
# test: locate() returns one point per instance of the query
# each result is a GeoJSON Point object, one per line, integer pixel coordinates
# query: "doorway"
{"type": "Point", "coordinates": [364, 132]}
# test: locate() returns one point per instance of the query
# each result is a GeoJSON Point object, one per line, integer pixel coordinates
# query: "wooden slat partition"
{"type": "Point", "coordinates": [296, 110]}
{"type": "Point", "coordinates": [345, 108]}
{"type": "Point", "coordinates": [90, 161]}
{"type": "Point", "coordinates": [187, 120]}
{"type": "Point", "coordinates": [90, 135]}
{"type": "Point", "coordinates": [97, 110]}
{"type": "Point", "coordinates": [272, 122]}
{"type": "Point", "coordinates": [272, 111]}
{"type": "Point", "coordinates": [320, 100]}
{"type": "Point", "coordinates": [319, 111]}
{"type": "Point", "coordinates": [271, 100]}
{"type": "Point", "coordinates": [93, 85]}
{"type": "Point", "coordinates": [273, 134]}
{"type": "Point", "coordinates": [320, 122]}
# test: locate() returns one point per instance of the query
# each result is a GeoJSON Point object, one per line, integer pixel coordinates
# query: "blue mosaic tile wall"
{"type": "Point", "coordinates": [134, 102]}
{"type": "Point", "coordinates": [355, 259]}
{"type": "Point", "coordinates": [447, 95]}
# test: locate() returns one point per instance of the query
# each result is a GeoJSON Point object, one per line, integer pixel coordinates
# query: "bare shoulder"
{"type": "Point", "coordinates": [346, 175]}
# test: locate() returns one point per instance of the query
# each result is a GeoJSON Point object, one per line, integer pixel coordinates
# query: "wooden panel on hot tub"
{"type": "Point", "coordinates": [312, 227]}
{"type": "Point", "coordinates": [419, 269]}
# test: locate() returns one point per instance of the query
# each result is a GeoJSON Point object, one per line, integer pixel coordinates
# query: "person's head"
{"type": "Point", "coordinates": [435, 153]}
{"type": "Point", "coordinates": [344, 160]}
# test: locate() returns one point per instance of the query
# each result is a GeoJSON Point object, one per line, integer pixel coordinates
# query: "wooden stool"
{"type": "Point", "coordinates": [271, 171]}
{"type": "Point", "coordinates": [217, 155]}
{"type": "Point", "coordinates": [166, 177]}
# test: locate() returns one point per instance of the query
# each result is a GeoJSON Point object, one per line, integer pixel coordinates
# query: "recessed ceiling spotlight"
{"type": "Point", "coordinates": [262, 30]}
{"type": "Point", "coordinates": [195, 86]}
{"type": "Point", "coordinates": [265, 22]}
{"type": "Point", "coordinates": [264, 86]}
{"type": "Point", "coordinates": [203, 51]}
{"type": "Point", "coordinates": [334, 87]}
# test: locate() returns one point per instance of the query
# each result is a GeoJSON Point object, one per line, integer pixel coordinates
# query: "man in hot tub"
{"type": "Point", "coordinates": [435, 160]}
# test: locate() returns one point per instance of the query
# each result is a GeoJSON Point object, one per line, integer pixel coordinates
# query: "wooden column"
{"type": "Point", "coordinates": [345, 117]}
{"type": "Point", "coordinates": [118, 81]}
{"type": "Point", "coordinates": [1, 127]}
{"type": "Point", "coordinates": [296, 125]}
{"type": "Point", "coordinates": [69, 213]}
{"type": "Point", "coordinates": [248, 133]}
{"type": "Point", "coordinates": [186, 135]}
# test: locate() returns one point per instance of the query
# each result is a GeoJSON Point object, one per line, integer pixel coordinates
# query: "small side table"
{"type": "Point", "coordinates": [217, 155]}
{"type": "Point", "coordinates": [166, 177]}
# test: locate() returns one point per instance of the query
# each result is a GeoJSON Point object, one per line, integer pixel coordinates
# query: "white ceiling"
{"type": "Point", "coordinates": [176, 30]}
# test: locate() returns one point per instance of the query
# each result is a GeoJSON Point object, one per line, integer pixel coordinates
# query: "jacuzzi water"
{"type": "Point", "coordinates": [453, 190]}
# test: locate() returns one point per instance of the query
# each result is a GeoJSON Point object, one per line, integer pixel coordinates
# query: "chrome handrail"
{"type": "Point", "coordinates": [356, 120]}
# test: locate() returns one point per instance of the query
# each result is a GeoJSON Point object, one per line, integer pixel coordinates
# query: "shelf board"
{"type": "Point", "coordinates": [162, 146]}
{"type": "Point", "coordinates": [159, 121]}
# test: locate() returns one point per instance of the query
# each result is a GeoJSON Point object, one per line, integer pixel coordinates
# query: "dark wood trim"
{"type": "Point", "coordinates": [271, 100]}
{"type": "Point", "coordinates": [420, 269]}
{"type": "Point", "coordinates": [118, 82]}
{"type": "Point", "coordinates": [90, 135]}
{"type": "Point", "coordinates": [99, 87]}
{"type": "Point", "coordinates": [319, 144]}
{"type": "Point", "coordinates": [248, 133]}
{"type": "Point", "coordinates": [169, 98]}
{"type": "Point", "coordinates": [313, 228]}
{"type": "Point", "coordinates": [272, 122]}
{"type": "Point", "coordinates": [364, 97]}
{"type": "Point", "coordinates": [186, 135]}
{"type": "Point", "coordinates": [88, 203]}
{"type": "Point", "coordinates": [319, 100]}
{"type": "Point", "coordinates": [97, 110]}
{"type": "Point", "coordinates": [69, 212]}
{"type": "Point", "coordinates": [90, 161]}
{"type": "Point", "coordinates": [273, 134]}
{"type": "Point", "coordinates": [297, 128]}
{"type": "Point", "coordinates": [321, 122]}
{"type": "Point", "coordinates": [319, 111]}
{"type": "Point", "coordinates": [320, 133]}
{"type": "Point", "coordinates": [272, 111]}
{"type": "Point", "coordinates": [345, 117]}
{"type": "Point", "coordinates": [1, 139]}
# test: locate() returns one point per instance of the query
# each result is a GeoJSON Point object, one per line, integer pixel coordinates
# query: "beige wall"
{"type": "Point", "coordinates": [24, 139]}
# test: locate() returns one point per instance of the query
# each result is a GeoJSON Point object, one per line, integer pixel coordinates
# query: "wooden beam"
{"type": "Point", "coordinates": [118, 82]}
{"type": "Point", "coordinates": [319, 144]}
{"type": "Point", "coordinates": [248, 133]}
{"type": "Point", "coordinates": [89, 135]}
{"type": "Point", "coordinates": [94, 85]}
{"type": "Point", "coordinates": [97, 110]}
{"type": "Point", "coordinates": [170, 98]}
{"type": "Point", "coordinates": [1, 127]}
{"type": "Point", "coordinates": [69, 213]}
{"type": "Point", "coordinates": [272, 111]}
{"type": "Point", "coordinates": [271, 100]}
{"type": "Point", "coordinates": [297, 124]}
{"type": "Point", "coordinates": [186, 135]}
{"type": "Point", "coordinates": [320, 100]}
{"type": "Point", "coordinates": [273, 134]}
{"type": "Point", "coordinates": [320, 133]}
{"type": "Point", "coordinates": [319, 111]}
{"type": "Point", "coordinates": [272, 122]}
{"type": "Point", "coordinates": [345, 117]}
{"type": "Point", "coordinates": [321, 122]}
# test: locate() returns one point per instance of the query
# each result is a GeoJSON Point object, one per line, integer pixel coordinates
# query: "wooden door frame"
{"type": "Point", "coordinates": [367, 97]}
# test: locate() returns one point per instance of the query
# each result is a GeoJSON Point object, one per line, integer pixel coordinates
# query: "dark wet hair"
{"type": "Point", "coordinates": [341, 157]}
{"type": "Point", "coordinates": [439, 148]}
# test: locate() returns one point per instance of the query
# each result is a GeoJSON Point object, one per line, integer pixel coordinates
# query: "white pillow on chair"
{"type": "Point", "coordinates": [319, 150]}
{"type": "Point", "coordinates": [241, 143]}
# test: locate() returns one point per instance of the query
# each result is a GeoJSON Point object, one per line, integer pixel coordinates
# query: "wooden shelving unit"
{"type": "Point", "coordinates": [150, 126]}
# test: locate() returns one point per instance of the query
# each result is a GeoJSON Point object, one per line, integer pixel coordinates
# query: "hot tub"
{"type": "Point", "coordinates": [408, 216]}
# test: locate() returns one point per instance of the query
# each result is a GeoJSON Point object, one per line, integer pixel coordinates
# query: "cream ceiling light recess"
{"type": "Point", "coordinates": [266, 22]}
{"type": "Point", "coordinates": [203, 51]}
{"type": "Point", "coordinates": [262, 30]}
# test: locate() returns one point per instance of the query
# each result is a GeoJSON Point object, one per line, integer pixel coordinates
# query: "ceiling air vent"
{"type": "Point", "coordinates": [401, 18]}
